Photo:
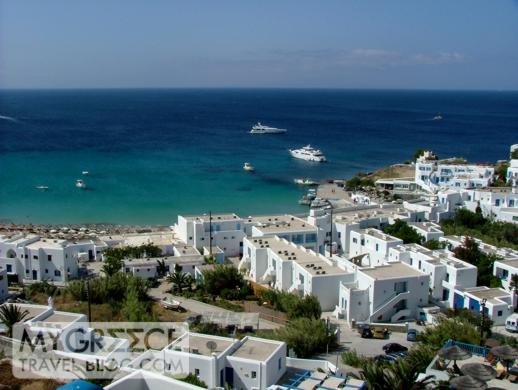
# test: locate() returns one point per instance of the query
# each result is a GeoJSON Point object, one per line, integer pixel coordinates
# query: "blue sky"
{"type": "Point", "coordinates": [436, 44]}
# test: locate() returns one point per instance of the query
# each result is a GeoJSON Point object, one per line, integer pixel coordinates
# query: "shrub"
{"type": "Point", "coordinates": [402, 230]}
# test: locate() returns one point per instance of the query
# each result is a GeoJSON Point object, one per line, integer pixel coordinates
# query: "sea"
{"type": "Point", "coordinates": [152, 154]}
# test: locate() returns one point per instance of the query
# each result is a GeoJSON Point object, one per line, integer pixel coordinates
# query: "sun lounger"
{"type": "Point", "coordinates": [333, 382]}
{"type": "Point", "coordinates": [318, 375]}
{"type": "Point", "coordinates": [309, 384]}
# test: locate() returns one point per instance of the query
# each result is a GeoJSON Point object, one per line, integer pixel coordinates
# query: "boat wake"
{"type": "Point", "coordinates": [8, 118]}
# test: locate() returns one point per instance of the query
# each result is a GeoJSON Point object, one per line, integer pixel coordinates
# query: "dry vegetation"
{"type": "Point", "coordinates": [392, 171]}
{"type": "Point", "coordinates": [7, 378]}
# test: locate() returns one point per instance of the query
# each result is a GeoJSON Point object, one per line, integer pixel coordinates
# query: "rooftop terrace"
{"type": "Point", "coordinates": [257, 349]}
{"type": "Point", "coordinates": [201, 344]}
{"type": "Point", "coordinates": [391, 270]}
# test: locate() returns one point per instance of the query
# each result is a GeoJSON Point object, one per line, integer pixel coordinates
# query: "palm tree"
{"type": "Point", "coordinates": [178, 279]}
{"type": "Point", "coordinates": [11, 315]}
{"type": "Point", "coordinates": [161, 268]}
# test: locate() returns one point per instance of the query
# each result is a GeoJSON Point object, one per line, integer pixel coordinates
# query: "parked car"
{"type": "Point", "coordinates": [394, 347]}
{"type": "Point", "coordinates": [366, 333]}
{"type": "Point", "coordinates": [411, 335]}
{"type": "Point", "coordinates": [380, 333]}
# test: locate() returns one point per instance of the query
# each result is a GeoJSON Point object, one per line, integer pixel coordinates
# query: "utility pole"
{"type": "Point", "coordinates": [331, 238]}
{"type": "Point", "coordinates": [482, 321]}
{"type": "Point", "coordinates": [210, 234]}
{"type": "Point", "coordinates": [89, 300]}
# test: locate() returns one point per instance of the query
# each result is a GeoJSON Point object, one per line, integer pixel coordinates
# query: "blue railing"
{"type": "Point", "coordinates": [471, 348]}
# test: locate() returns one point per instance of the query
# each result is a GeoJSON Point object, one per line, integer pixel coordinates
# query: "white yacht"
{"type": "Point", "coordinates": [262, 129]}
{"type": "Point", "coordinates": [85, 173]}
{"type": "Point", "coordinates": [437, 117]}
{"type": "Point", "coordinates": [80, 184]}
{"type": "Point", "coordinates": [308, 153]}
{"type": "Point", "coordinates": [42, 188]}
{"type": "Point", "coordinates": [248, 167]}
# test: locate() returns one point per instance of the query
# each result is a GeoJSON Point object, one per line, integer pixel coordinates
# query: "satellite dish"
{"type": "Point", "coordinates": [211, 345]}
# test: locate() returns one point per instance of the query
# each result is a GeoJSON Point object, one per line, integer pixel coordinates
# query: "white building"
{"type": "Point", "coordinates": [291, 228]}
{"type": "Point", "coordinates": [34, 258]}
{"type": "Point", "coordinates": [498, 302]}
{"type": "Point", "coordinates": [431, 175]}
{"type": "Point", "coordinates": [288, 267]}
{"type": "Point", "coordinates": [185, 256]}
{"type": "Point", "coordinates": [505, 269]}
{"type": "Point", "coordinates": [249, 363]}
{"type": "Point", "coordinates": [446, 272]}
{"type": "Point", "coordinates": [162, 239]}
{"type": "Point", "coordinates": [373, 243]}
{"type": "Point", "coordinates": [392, 292]}
{"type": "Point", "coordinates": [228, 231]}
{"type": "Point", "coordinates": [429, 230]}
{"type": "Point", "coordinates": [368, 217]}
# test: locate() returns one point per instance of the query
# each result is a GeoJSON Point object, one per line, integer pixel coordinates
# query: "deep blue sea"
{"type": "Point", "coordinates": [153, 154]}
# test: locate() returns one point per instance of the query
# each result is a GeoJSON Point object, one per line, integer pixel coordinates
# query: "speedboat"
{"type": "Point", "coordinates": [248, 167]}
{"type": "Point", "coordinates": [80, 184]}
{"type": "Point", "coordinates": [319, 203]}
{"type": "Point", "coordinates": [170, 303]}
{"type": "Point", "coordinates": [305, 201]}
{"type": "Point", "coordinates": [437, 117]}
{"type": "Point", "coordinates": [308, 153]}
{"type": "Point", "coordinates": [305, 182]}
{"type": "Point", "coordinates": [42, 188]}
{"type": "Point", "coordinates": [262, 129]}
{"type": "Point", "coordinates": [85, 173]}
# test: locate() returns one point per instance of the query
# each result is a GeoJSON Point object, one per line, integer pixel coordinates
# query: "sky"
{"type": "Point", "coordinates": [407, 44]}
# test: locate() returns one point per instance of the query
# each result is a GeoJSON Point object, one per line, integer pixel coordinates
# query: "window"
{"type": "Point", "coordinates": [411, 261]}
{"type": "Point", "coordinates": [254, 374]}
{"type": "Point", "coordinates": [46, 271]}
{"type": "Point", "coordinates": [279, 364]}
{"type": "Point", "coordinates": [499, 314]}
{"type": "Point", "coordinates": [57, 273]}
{"type": "Point", "coordinates": [35, 257]}
{"type": "Point", "coordinates": [9, 267]}
{"type": "Point", "coordinates": [447, 277]}
{"type": "Point", "coordinates": [196, 372]}
{"type": "Point", "coordinates": [355, 240]}
{"type": "Point", "coordinates": [311, 237]}
{"type": "Point", "coordinates": [377, 247]}
{"type": "Point", "coordinates": [497, 202]}
{"type": "Point", "coordinates": [419, 264]}
{"type": "Point", "coordinates": [49, 257]}
{"type": "Point", "coordinates": [362, 242]}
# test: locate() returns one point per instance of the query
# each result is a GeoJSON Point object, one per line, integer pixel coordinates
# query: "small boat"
{"type": "Point", "coordinates": [262, 129]}
{"type": "Point", "coordinates": [170, 303]}
{"type": "Point", "coordinates": [437, 117]}
{"type": "Point", "coordinates": [305, 201]}
{"type": "Point", "coordinates": [308, 153]}
{"type": "Point", "coordinates": [305, 182]}
{"type": "Point", "coordinates": [248, 167]}
{"type": "Point", "coordinates": [319, 203]}
{"type": "Point", "coordinates": [80, 184]}
{"type": "Point", "coordinates": [42, 188]}
{"type": "Point", "coordinates": [85, 173]}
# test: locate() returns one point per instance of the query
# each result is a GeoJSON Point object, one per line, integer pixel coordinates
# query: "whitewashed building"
{"type": "Point", "coordinates": [393, 292]}
{"type": "Point", "coordinates": [34, 258]}
{"type": "Point", "coordinates": [373, 243]}
{"type": "Point", "coordinates": [446, 272]}
{"type": "Point", "coordinates": [429, 230]}
{"type": "Point", "coordinates": [288, 267]}
{"type": "Point", "coordinates": [504, 269]}
{"type": "Point", "coordinates": [228, 231]}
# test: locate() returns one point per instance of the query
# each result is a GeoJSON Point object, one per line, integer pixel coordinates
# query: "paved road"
{"type": "Point", "coordinates": [204, 308]}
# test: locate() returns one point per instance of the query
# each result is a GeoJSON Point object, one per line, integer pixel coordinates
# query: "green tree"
{"type": "Point", "coordinates": [308, 307]}
{"type": "Point", "coordinates": [433, 244]}
{"type": "Point", "coordinates": [224, 277]}
{"type": "Point", "coordinates": [133, 309]}
{"type": "Point", "coordinates": [161, 268]}
{"type": "Point", "coordinates": [470, 252]}
{"type": "Point", "coordinates": [112, 265]}
{"type": "Point", "coordinates": [193, 380]}
{"type": "Point", "coordinates": [307, 336]}
{"type": "Point", "coordinates": [10, 315]}
{"type": "Point", "coordinates": [460, 329]}
{"type": "Point", "coordinates": [402, 230]}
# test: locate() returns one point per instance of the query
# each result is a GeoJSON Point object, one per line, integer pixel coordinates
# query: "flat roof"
{"type": "Point", "coordinates": [356, 215]}
{"type": "Point", "coordinates": [52, 243]}
{"type": "Point", "coordinates": [380, 235]}
{"type": "Point", "coordinates": [256, 349]}
{"type": "Point", "coordinates": [214, 217]}
{"type": "Point", "coordinates": [186, 250]}
{"type": "Point", "coordinates": [391, 270]}
{"type": "Point", "coordinates": [488, 293]}
{"type": "Point", "coordinates": [202, 344]}
{"type": "Point", "coordinates": [426, 226]}
{"type": "Point", "coordinates": [309, 260]}
{"type": "Point", "coordinates": [62, 317]}
{"type": "Point", "coordinates": [33, 310]}
{"type": "Point", "coordinates": [509, 262]}
{"type": "Point", "coordinates": [281, 223]}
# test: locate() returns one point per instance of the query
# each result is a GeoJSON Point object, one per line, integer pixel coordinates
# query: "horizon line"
{"type": "Point", "coordinates": [83, 88]}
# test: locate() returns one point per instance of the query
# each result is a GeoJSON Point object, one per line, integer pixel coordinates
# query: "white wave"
{"type": "Point", "coordinates": [8, 118]}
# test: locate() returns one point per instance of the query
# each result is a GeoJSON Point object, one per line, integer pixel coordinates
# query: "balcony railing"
{"type": "Point", "coordinates": [473, 349]}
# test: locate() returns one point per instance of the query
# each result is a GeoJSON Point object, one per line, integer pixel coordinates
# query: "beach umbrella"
{"type": "Point", "coordinates": [454, 353]}
{"type": "Point", "coordinates": [479, 371]}
{"type": "Point", "coordinates": [505, 352]}
{"type": "Point", "coordinates": [466, 382]}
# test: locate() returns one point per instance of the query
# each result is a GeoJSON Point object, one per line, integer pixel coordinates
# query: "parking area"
{"type": "Point", "coordinates": [350, 339]}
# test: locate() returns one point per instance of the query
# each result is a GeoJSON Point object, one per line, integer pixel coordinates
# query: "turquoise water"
{"type": "Point", "coordinates": [153, 154]}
